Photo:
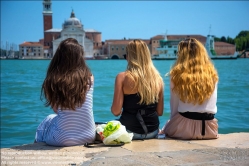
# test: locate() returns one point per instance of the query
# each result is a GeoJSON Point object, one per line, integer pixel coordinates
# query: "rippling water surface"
{"type": "Point", "coordinates": [22, 110]}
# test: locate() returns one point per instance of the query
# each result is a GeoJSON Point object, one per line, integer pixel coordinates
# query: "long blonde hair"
{"type": "Point", "coordinates": [193, 74]}
{"type": "Point", "coordinates": [142, 72]}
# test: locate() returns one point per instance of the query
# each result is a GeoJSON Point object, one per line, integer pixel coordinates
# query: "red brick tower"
{"type": "Point", "coordinates": [47, 22]}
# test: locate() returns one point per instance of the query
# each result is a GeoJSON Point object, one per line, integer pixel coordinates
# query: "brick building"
{"type": "Point", "coordinates": [116, 48]}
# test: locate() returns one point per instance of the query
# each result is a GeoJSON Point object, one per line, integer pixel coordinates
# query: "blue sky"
{"type": "Point", "coordinates": [22, 20]}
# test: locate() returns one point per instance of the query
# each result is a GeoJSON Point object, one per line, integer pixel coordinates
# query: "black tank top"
{"type": "Point", "coordinates": [129, 119]}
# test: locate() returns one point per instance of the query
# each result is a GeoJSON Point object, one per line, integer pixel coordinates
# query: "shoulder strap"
{"type": "Point", "coordinates": [141, 121]}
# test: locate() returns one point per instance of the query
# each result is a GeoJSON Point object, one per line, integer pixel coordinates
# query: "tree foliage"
{"type": "Point", "coordinates": [223, 39]}
{"type": "Point", "coordinates": [216, 39]}
{"type": "Point", "coordinates": [230, 40]}
{"type": "Point", "coordinates": [241, 40]}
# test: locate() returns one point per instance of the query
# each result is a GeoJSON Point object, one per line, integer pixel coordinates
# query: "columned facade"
{"type": "Point", "coordinates": [73, 28]}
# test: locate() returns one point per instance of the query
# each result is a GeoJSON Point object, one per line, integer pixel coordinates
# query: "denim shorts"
{"type": "Point", "coordinates": [150, 135]}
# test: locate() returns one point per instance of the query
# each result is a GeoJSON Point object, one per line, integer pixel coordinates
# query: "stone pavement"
{"type": "Point", "coordinates": [229, 149]}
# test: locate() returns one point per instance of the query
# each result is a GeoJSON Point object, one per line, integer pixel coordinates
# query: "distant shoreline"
{"type": "Point", "coordinates": [124, 59]}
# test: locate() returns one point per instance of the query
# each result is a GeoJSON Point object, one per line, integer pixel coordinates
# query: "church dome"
{"type": "Point", "coordinates": [72, 21]}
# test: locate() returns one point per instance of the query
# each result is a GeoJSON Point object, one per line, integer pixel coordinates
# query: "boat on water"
{"type": "Point", "coordinates": [100, 57]}
{"type": "Point", "coordinates": [168, 50]}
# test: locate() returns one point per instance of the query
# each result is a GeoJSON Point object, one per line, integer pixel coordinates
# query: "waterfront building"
{"type": "Point", "coordinates": [221, 48]}
{"type": "Point", "coordinates": [115, 49]}
{"type": "Point", "coordinates": [91, 40]}
{"type": "Point", "coordinates": [31, 50]}
{"type": "Point", "coordinates": [72, 28]}
{"type": "Point", "coordinates": [96, 37]}
{"type": "Point", "coordinates": [44, 48]}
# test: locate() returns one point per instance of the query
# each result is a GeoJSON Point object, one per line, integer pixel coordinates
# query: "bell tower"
{"type": "Point", "coordinates": [47, 22]}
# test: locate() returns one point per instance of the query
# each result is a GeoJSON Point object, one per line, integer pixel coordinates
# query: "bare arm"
{"type": "Point", "coordinates": [118, 96]}
{"type": "Point", "coordinates": [174, 102]}
{"type": "Point", "coordinates": [160, 104]}
{"type": "Point", "coordinates": [92, 80]}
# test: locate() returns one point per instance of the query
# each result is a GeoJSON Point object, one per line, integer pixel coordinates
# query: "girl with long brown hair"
{"type": "Point", "coordinates": [68, 90]}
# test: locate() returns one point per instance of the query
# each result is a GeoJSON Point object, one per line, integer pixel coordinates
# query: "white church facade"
{"type": "Point", "coordinates": [45, 48]}
{"type": "Point", "coordinates": [73, 28]}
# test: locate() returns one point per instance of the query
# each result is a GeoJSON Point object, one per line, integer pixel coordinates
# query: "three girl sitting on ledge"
{"type": "Point", "coordinates": [138, 95]}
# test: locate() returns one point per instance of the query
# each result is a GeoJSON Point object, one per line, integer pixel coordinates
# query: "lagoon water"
{"type": "Point", "coordinates": [22, 110]}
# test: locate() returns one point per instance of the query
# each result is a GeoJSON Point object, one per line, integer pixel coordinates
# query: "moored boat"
{"type": "Point", "coordinates": [211, 51]}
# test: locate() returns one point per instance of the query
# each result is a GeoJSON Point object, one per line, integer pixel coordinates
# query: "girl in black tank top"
{"type": "Point", "coordinates": [130, 109]}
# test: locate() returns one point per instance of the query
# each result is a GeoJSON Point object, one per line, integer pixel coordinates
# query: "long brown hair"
{"type": "Point", "coordinates": [68, 77]}
{"type": "Point", "coordinates": [193, 74]}
{"type": "Point", "coordinates": [142, 72]}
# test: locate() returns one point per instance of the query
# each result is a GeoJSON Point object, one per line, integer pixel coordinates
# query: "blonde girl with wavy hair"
{"type": "Point", "coordinates": [138, 94]}
{"type": "Point", "coordinates": [193, 94]}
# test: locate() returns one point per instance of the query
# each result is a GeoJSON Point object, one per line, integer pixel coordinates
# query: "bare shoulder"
{"type": "Point", "coordinates": [92, 78]}
{"type": "Point", "coordinates": [129, 85]}
{"type": "Point", "coordinates": [120, 76]}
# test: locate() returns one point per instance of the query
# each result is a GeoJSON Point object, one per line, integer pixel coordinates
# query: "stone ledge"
{"type": "Point", "coordinates": [229, 149]}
